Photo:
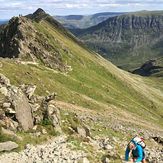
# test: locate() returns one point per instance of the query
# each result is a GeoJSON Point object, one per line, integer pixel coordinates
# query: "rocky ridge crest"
{"type": "Point", "coordinates": [21, 38]}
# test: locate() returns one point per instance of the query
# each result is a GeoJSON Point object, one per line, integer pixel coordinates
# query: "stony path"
{"type": "Point", "coordinates": [55, 151]}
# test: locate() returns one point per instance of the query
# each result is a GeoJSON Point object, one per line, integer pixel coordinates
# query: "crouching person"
{"type": "Point", "coordinates": [136, 149]}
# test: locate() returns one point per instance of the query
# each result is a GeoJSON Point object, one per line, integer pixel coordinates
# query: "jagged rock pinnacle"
{"type": "Point", "coordinates": [39, 11]}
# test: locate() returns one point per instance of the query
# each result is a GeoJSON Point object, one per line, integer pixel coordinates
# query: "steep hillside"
{"type": "Point", "coordinates": [96, 101]}
{"type": "Point", "coordinates": [84, 21]}
{"type": "Point", "coordinates": [43, 40]}
{"type": "Point", "coordinates": [128, 40]}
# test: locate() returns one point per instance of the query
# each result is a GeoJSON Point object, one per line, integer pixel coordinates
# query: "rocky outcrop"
{"type": "Point", "coordinates": [18, 106]}
{"type": "Point", "coordinates": [20, 38]}
{"type": "Point", "coordinates": [22, 109]}
{"type": "Point", "coordinates": [9, 44]}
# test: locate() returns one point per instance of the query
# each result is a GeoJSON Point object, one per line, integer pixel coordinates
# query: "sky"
{"type": "Point", "coordinates": [9, 8]}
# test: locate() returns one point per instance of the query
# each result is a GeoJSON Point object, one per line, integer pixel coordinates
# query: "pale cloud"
{"type": "Point", "coordinates": [9, 8]}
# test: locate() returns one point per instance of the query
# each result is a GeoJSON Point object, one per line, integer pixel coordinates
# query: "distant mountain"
{"type": "Point", "coordinates": [127, 40]}
{"type": "Point", "coordinates": [3, 22]}
{"type": "Point", "coordinates": [84, 21]}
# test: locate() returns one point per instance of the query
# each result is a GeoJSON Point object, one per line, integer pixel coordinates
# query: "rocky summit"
{"type": "Point", "coordinates": [61, 102]}
{"type": "Point", "coordinates": [21, 39]}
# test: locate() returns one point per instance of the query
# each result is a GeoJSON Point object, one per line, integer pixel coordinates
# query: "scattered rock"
{"type": "Point", "coordinates": [54, 114]}
{"type": "Point", "coordinates": [44, 131]}
{"type": "Point", "coordinates": [105, 144]}
{"type": "Point", "coordinates": [1, 65]}
{"type": "Point", "coordinates": [4, 91]}
{"type": "Point", "coordinates": [82, 131]}
{"type": "Point", "coordinates": [8, 146]}
{"type": "Point", "coordinates": [84, 160]}
{"type": "Point", "coordinates": [10, 111]}
{"type": "Point", "coordinates": [158, 140]}
{"type": "Point", "coordinates": [35, 107]}
{"type": "Point", "coordinates": [37, 134]}
{"type": "Point", "coordinates": [35, 127]}
{"type": "Point", "coordinates": [4, 80]}
{"type": "Point", "coordinates": [106, 160]}
{"type": "Point", "coordinates": [38, 119]}
{"type": "Point", "coordinates": [2, 123]}
{"type": "Point", "coordinates": [154, 155]}
{"type": "Point", "coordinates": [8, 123]}
{"type": "Point", "coordinates": [30, 91]}
{"type": "Point", "coordinates": [50, 97]}
{"type": "Point", "coordinates": [6, 105]}
{"type": "Point", "coordinates": [54, 151]}
{"type": "Point", "coordinates": [14, 125]}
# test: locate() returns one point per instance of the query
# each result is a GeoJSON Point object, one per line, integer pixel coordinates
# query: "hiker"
{"type": "Point", "coordinates": [136, 149]}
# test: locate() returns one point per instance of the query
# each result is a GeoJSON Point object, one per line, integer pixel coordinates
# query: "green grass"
{"type": "Point", "coordinates": [101, 86]}
{"type": "Point", "coordinates": [92, 83]}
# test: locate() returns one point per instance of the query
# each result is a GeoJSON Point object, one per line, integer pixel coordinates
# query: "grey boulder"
{"type": "Point", "coordinates": [8, 146]}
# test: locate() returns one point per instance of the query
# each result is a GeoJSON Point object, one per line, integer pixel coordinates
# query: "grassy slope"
{"type": "Point", "coordinates": [93, 83]}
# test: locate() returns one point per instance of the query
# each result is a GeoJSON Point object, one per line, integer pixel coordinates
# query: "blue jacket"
{"type": "Point", "coordinates": [137, 153]}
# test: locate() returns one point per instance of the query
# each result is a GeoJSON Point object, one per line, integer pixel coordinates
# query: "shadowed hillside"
{"type": "Point", "coordinates": [127, 40]}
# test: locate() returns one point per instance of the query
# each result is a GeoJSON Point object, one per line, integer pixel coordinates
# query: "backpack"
{"type": "Point", "coordinates": [139, 141]}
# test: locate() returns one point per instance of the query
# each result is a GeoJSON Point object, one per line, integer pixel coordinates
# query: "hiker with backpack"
{"type": "Point", "coordinates": [136, 149]}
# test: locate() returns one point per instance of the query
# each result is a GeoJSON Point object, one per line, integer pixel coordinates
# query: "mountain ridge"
{"type": "Point", "coordinates": [24, 40]}
{"type": "Point", "coordinates": [84, 21]}
{"type": "Point", "coordinates": [132, 36]}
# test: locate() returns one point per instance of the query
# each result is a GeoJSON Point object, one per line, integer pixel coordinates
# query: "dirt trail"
{"type": "Point", "coordinates": [107, 112]}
